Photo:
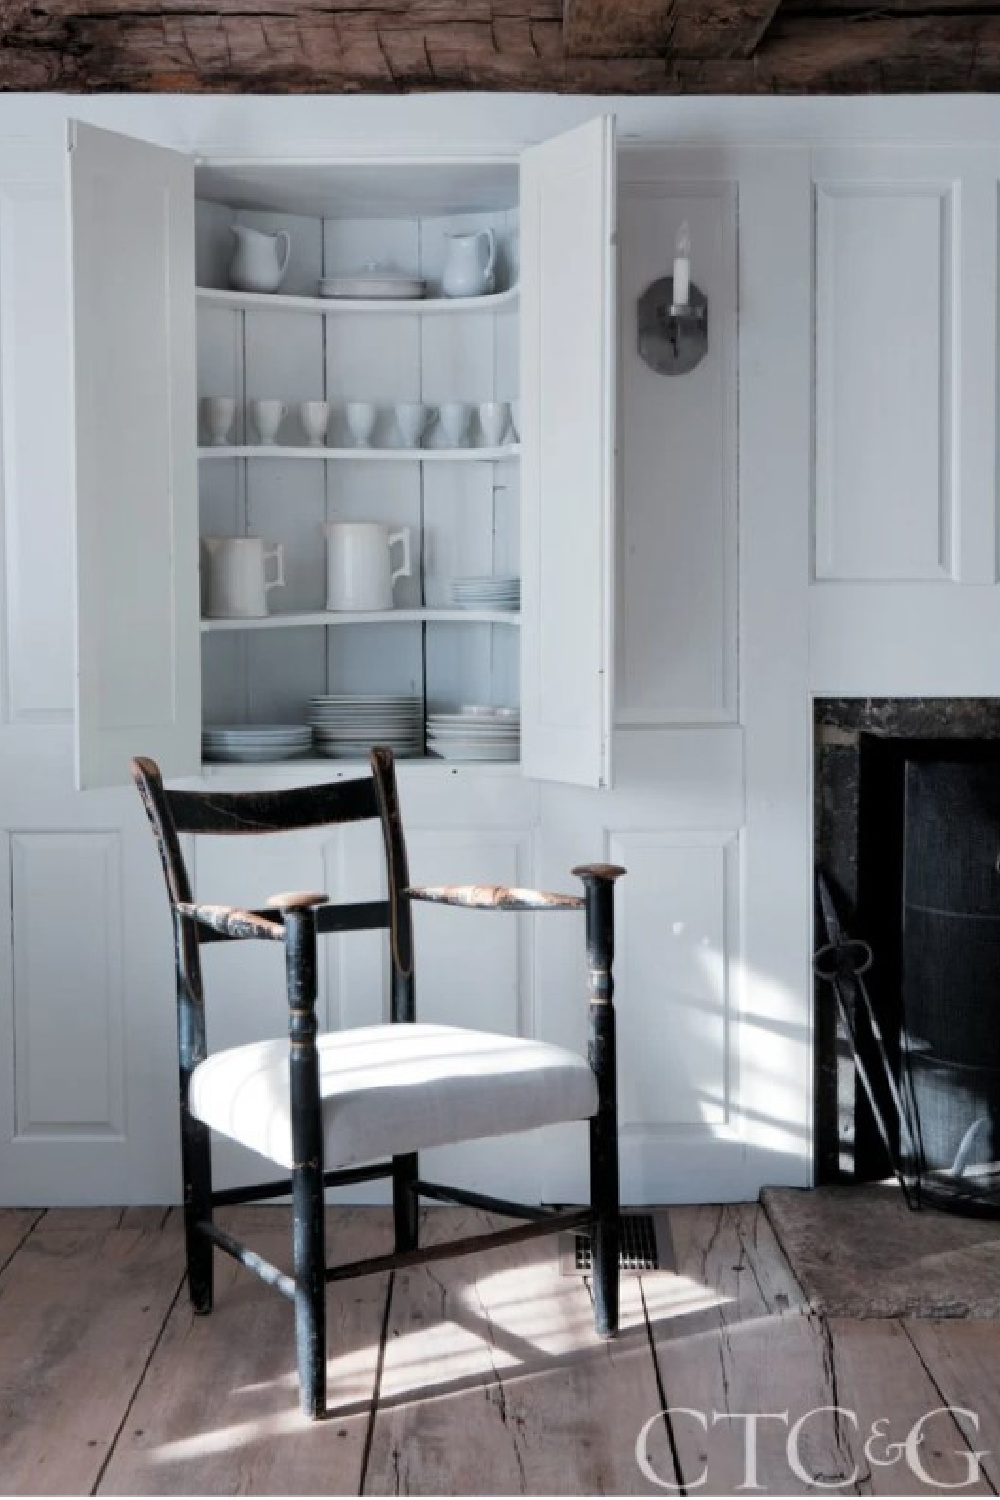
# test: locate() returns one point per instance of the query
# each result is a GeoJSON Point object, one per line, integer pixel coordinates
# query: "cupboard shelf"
{"type": "Point", "coordinates": [365, 455]}
{"type": "Point", "coordinates": [367, 617]}
{"type": "Point", "coordinates": [332, 307]}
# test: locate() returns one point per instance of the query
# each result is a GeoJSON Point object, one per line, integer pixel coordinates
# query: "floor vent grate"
{"type": "Point", "coordinates": [638, 1250]}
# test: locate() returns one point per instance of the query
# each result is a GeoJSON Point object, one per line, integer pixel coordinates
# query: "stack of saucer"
{"type": "Point", "coordinates": [348, 724]}
{"type": "Point", "coordinates": [255, 742]}
{"type": "Point", "coordinates": [486, 593]}
{"type": "Point", "coordinates": [474, 733]}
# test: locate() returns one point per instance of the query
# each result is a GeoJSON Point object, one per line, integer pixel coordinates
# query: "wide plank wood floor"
{"type": "Point", "coordinates": [478, 1376]}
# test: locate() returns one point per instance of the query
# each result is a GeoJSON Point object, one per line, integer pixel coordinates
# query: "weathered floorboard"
{"type": "Point", "coordinates": [745, 1347]}
{"type": "Point", "coordinates": [495, 1382]}
{"type": "Point", "coordinates": [962, 1356]}
{"type": "Point", "coordinates": [878, 1377]}
{"type": "Point", "coordinates": [218, 1412]}
{"type": "Point", "coordinates": [15, 1226]}
{"type": "Point", "coordinates": [80, 1311]}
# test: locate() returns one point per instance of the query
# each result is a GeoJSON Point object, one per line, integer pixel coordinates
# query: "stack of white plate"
{"type": "Point", "coordinates": [255, 742]}
{"type": "Point", "coordinates": [348, 724]}
{"type": "Point", "coordinates": [486, 593]}
{"type": "Point", "coordinates": [474, 733]}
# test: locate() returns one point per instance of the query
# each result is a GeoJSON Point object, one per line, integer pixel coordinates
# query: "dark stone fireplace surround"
{"type": "Point", "coordinates": [838, 725]}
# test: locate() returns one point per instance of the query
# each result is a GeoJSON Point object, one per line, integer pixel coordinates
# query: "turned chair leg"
{"type": "Point", "coordinates": [310, 1288]}
{"type": "Point", "coordinates": [197, 1164]}
{"type": "Point", "coordinates": [404, 1201]}
{"type": "Point", "coordinates": [604, 1234]}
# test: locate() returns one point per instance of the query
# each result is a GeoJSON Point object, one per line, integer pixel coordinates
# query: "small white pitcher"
{"type": "Point", "coordinates": [359, 574]}
{"type": "Point", "coordinates": [259, 260]}
{"type": "Point", "coordinates": [469, 264]}
{"type": "Point", "coordinates": [235, 581]}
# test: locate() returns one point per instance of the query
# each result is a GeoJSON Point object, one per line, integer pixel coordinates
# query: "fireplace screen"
{"type": "Point", "coordinates": [920, 995]}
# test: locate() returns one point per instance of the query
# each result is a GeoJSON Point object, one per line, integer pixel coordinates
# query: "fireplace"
{"type": "Point", "coordinates": [908, 834]}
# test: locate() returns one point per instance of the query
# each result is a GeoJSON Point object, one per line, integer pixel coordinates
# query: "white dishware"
{"type": "Point", "coordinates": [359, 573]}
{"type": "Point", "coordinates": [268, 415]}
{"type": "Point", "coordinates": [492, 593]}
{"type": "Point", "coordinates": [259, 260]}
{"type": "Point", "coordinates": [470, 262]}
{"type": "Point", "coordinates": [412, 419]}
{"type": "Point", "coordinates": [255, 742]}
{"type": "Point", "coordinates": [346, 725]}
{"type": "Point", "coordinates": [382, 286]}
{"type": "Point", "coordinates": [361, 417]}
{"type": "Point", "coordinates": [515, 419]}
{"type": "Point", "coordinates": [493, 419]}
{"type": "Point", "coordinates": [454, 419]}
{"type": "Point", "coordinates": [217, 413]}
{"type": "Point", "coordinates": [237, 585]}
{"type": "Point", "coordinates": [314, 417]}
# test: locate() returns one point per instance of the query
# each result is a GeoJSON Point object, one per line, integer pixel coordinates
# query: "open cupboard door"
{"type": "Point", "coordinates": [135, 393]}
{"type": "Point", "coordinates": [568, 377]}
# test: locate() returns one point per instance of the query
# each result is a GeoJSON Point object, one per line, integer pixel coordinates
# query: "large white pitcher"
{"type": "Point", "coordinates": [359, 572]}
{"type": "Point", "coordinates": [234, 576]}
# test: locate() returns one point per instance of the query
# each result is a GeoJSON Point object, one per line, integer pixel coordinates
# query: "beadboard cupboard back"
{"type": "Point", "coordinates": [151, 240]}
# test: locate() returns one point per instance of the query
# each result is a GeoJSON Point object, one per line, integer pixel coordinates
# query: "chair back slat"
{"type": "Point", "coordinates": [283, 811]}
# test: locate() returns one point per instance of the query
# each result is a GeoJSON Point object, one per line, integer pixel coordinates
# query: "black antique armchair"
{"type": "Point", "coordinates": [351, 1106]}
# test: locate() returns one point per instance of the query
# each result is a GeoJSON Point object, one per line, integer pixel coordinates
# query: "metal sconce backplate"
{"type": "Point", "coordinates": [672, 340]}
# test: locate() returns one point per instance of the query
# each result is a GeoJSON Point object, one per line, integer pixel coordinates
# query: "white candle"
{"type": "Point", "coordinates": [682, 266]}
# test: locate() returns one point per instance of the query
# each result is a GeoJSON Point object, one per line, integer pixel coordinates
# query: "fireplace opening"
{"type": "Point", "coordinates": [908, 837]}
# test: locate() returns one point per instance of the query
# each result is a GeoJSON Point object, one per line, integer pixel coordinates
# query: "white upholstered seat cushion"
{"type": "Point", "coordinates": [393, 1089]}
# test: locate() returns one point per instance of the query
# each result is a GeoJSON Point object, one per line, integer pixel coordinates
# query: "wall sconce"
{"type": "Point", "coordinates": [673, 317]}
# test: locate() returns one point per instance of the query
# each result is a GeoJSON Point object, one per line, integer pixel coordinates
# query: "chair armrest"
{"type": "Point", "coordinates": [232, 921]}
{"type": "Point", "coordinates": [494, 898]}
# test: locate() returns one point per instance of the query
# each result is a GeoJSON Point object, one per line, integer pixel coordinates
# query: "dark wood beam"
{"type": "Point", "coordinates": [666, 28]}
{"type": "Point", "coordinates": [611, 28]}
{"type": "Point", "coordinates": [398, 46]}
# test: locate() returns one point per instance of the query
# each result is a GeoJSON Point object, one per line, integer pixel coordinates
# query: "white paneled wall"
{"type": "Point", "coordinates": [69, 1001]}
{"type": "Point", "coordinates": [677, 544]}
{"type": "Point", "coordinates": [905, 454]}
{"type": "Point", "coordinates": [886, 414]}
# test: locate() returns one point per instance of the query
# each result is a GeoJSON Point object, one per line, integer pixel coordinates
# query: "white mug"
{"type": "Point", "coordinates": [314, 416]}
{"type": "Point", "coordinates": [217, 413]}
{"type": "Point", "coordinates": [412, 418]}
{"type": "Point", "coordinates": [493, 418]}
{"type": "Point", "coordinates": [237, 585]}
{"type": "Point", "coordinates": [359, 574]}
{"type": "Point", "coordinates": [268, 416]}
{"type": "Point", "coordinates": [454, 419]}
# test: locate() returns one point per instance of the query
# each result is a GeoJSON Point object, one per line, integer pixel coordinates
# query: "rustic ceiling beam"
{"type": "Point", "coordinates": [397, 46]}
{"type": "Point", "coordinates": [665, 28]}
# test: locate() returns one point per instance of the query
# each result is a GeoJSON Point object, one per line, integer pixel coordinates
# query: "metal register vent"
{"type": "Point", "coordinates": [645, 1246]}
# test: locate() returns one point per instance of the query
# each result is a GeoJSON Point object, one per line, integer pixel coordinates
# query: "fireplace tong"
{"type": "Point", "coordinates": [842, 963]}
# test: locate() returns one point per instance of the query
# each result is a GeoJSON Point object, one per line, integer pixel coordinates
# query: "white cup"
{"type": "Point", "coordinates": [359, 574]}
{"type": "Point", "coordinates": [217, 413]}
{"type": "Point", "coordinates": [493, 419]}
{"type": "Point", "coordinates": [268, 416]}
{"type": "Point", "coordinates": [412, 418]}
{"type": "Point", "coordinates": [454, 419]}
{"type": "Point", "coordinates": [361, 417]}
{"type": "Point", "coordinates": [314, 417]}
{"type": "Point", "coordinates": [237, 584]}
